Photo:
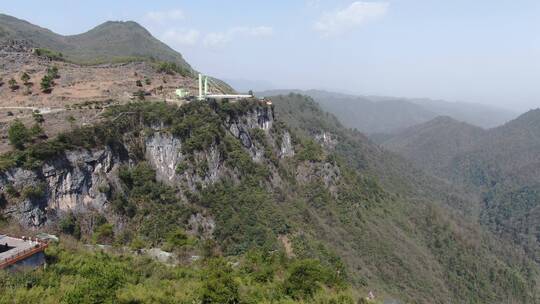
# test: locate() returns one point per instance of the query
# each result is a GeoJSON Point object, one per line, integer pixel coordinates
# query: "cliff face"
{"type": "Point", "coordinates": [81, 180]}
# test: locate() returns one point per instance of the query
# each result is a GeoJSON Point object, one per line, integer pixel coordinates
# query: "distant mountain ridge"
{"type": "Point", "coordinates": [376, 114]}
{"type": "Point", "coordinates": [501, 164]}
{"type": "Point", "coordinates": [110, 41]}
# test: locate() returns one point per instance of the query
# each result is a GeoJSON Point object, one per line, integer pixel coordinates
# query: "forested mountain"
{"type": "Point", "coordinates": [374, 115]}
{"type": "Point", "coordinates": [249, 201]}
{"type": "Point", "coordinates": [227, 179]}
{"type": "Point", "coordinates": [500, 164]}
{"type": "Point", "coordinates": [110, 41]}
{"type": "Point", "coordinates": [432, 145]}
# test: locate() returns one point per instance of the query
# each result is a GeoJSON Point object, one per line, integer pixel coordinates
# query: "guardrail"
{"type": "Point", "coordinates": [22, 255]}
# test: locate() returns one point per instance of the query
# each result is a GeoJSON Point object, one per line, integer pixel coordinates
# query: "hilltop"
{"type": "Point", "coordinates": [116, 62]}
{"type": "Point", "coordinates": [111, 41]}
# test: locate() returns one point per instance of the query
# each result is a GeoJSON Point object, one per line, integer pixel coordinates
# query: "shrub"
{"type": "Point", "coordinates": [52, 55]}
{"type": "Point", "coordinates": [172, 68]}
{"type": "Point", "coordinates": [25, 78]}
{"type": "Point", "coordinates": [52, 72]}
{"type": "Point", "coordinates": [104, 234]}
{"type": "Point", "coordinates": [311, 151]}
{"type": "Point", "coordinates": [219, 286]}
{"type": "Point", "coordinates": [177, 239]}
{"type": "Point", "coordinates": [304, 279]}
{"type": "Point", "coordinates": [37, 131]}
{"type": "Point", "coordinates": [38, 118]}
{"type": "Point", "coordinates": [13, 84]}
{"type": "Point", "coordinates": [33, 192]}
{"type": "Point", "coordinates": [46, 84]}
{"type": "Point", "coordinates": [138, 83]}
{"type": "Point", "coordinates": [70, 225]}
{"type": "Point", "coordinates": [18, 134]}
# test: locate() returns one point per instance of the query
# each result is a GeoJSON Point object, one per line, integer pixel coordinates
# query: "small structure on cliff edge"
{"type": "Point", "coordinates": [204, 92]}
{"type": "Point", "coordinates": [18, 253]}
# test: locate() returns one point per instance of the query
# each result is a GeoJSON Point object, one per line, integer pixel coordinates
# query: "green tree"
{"type": "Point", "coordinates": [25, 78]}
{"type": "Point", "coordinates": [46, 83]}
{"type": "Point", "coordinates": [304, 279]}
{"type": "Point", "coordinates": [13, 84]}
{"type": "Point", "coordinates": [36, 130]}
{"type": "Point", "coordinates": [70, 225]}
{"type": "Point", "coordinates": [53, 72]}
{"type": "Point", "coordinates": [220, 286]}
{"type": "Point", "coordinates": [18, 134]}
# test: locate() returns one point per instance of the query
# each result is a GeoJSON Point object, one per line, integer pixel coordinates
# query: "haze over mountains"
{"type": "Point", "coordinates": [376, 114]}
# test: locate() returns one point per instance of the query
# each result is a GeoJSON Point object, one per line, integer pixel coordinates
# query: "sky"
{"type": "Point", "coordinates": [481, 51]}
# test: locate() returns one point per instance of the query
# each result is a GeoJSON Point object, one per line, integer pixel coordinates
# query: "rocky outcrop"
{"type": "Point", "coordinates": [82, 180]}
{"type": "Point", "coordinates": [286, 149]}
{"type": "Point", "coordinates": [79, 181]}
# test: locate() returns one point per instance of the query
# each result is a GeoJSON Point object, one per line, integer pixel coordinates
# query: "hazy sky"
{"type": "Point", "coordinates": [482, 51]}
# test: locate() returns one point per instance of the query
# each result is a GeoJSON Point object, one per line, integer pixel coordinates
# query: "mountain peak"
{"type": "Point", "coordinates": [108, 42]}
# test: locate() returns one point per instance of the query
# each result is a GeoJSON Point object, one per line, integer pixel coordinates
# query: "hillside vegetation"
{"type": "Point", "coordinates": [309, 206]}
{"type": "Point", "coordinates": [500, 165]}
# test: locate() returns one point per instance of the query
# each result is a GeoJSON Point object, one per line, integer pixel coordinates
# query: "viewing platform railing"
{"type": "Point", "coordinates": [39, 246]}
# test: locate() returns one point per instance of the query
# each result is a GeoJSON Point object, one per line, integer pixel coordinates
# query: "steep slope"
{"type": "Point", "coordinates": [110, 41]}
{"type": "Point", "coordinates": [418, 193]}
{"type": "Point", "coordinates": [501, 165]}
{"type": "Point", "coordinates": [374, 115]}
{"type": "Point", "coordinates": [234, 175]}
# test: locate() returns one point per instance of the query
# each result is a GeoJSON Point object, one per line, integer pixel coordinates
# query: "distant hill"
{"type": "Point", "coordinates": [110, 41]}
{"type": "Point", "coordinates": [375, 115]}
{"type": "Point", "coordinates": [502, 165]}
{"type": "Point", "coordinates": [432, 145]}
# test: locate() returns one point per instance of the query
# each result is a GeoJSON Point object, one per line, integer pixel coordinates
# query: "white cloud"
{"type": "Point", "coordinates": [355, 15]}
{"type": "Point", "coordinates": [188, 37]}
{"type": "Point", "coordinates": [165, 16]}
{"type": "Point", "coordinates": [218, 39]}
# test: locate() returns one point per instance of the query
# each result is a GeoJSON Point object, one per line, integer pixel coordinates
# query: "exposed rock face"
{"type": "Point", "coordinates": [202, 225]}
{"type": "Point", "coordinates": [164, 152]}
{"type": "Point", "coordinates": [328, 173]}
{"type": "Point", "coordinates": [286, 149]}
{"type": "Point", "coordinates": [81, 180]}
{"type": "Point", "coordinates": [77, 182]}
{"type": "Point", "coordinates": [327, 140]}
